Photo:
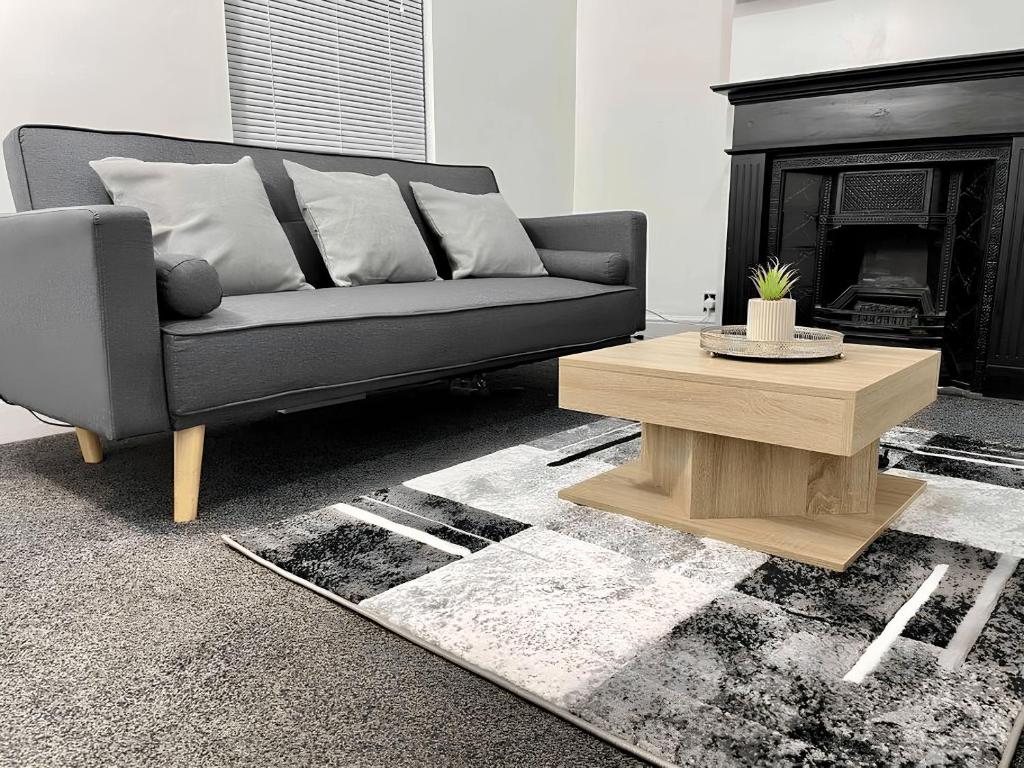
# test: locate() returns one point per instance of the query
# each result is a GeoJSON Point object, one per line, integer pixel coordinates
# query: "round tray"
{"type": "Point", "coordinates": [807, 344]}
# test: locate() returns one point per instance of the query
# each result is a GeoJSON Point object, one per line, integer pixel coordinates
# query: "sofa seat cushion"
{"type": "Point", "coordinates": [267, 351]}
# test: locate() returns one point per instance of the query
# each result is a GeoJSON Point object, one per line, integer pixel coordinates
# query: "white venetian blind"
{"type": "Point", "coordinates": [330, 75]}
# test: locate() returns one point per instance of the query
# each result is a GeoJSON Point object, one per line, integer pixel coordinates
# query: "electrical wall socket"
{"type": "Point", "coordinates": [709, 303]}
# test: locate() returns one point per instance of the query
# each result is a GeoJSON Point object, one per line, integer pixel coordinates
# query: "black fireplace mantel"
{"type": "Point", "coordinates": [958, 97]}
{"type": "Point", "coordinates": [950, 103]}
{"type": "Point", "coordinates": [945, 70]}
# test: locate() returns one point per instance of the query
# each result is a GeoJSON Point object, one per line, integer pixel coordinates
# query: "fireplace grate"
{"type": "Point", "coordinates": [888, 315]}
{"type": "Point", "coordinates": [901, 314]}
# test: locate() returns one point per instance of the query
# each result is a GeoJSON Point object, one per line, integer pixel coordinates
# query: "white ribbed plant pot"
{"type": "Point", "coordinates": [771, 320]}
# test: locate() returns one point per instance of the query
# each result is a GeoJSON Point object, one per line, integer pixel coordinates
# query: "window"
{"type": "Point", "coordinates": [329, 75]}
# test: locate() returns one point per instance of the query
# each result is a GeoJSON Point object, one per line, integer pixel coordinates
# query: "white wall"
{"type": "Point", "coordinates": [148, 65]}
{"type": "Point", "coordinates": [772, 38]}
{"type": "Point", "coordinates": [650, 135]}
{"type": "Point", "coordinates": [504, 95]}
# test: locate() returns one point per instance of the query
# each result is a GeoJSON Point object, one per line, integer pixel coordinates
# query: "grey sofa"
{"type": "Point", "coordinates": [81, 339]}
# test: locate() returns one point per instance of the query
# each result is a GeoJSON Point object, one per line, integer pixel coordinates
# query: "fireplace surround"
{"type": "Point", "coordinates": [898, 192]}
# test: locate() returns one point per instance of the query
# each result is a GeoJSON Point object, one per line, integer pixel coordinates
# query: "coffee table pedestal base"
{"type": "Point", "coordinates": [697, 483]}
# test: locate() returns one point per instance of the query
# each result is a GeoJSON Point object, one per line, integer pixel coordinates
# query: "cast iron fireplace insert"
{"type": "Point", "coordinates": [892, 247]}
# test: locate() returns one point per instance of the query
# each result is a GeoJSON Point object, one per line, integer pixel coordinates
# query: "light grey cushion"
{"type": "Point", "coordinates": [216, 212]}
{"type": "Point", "coordinates": [186, 286]}
{"type": "Point", "coordinates": [480, 234]}
{"type": "Point", "coordinates": [607, 268]}
{"type": "Point", "coordinates": [54, 161]}
{"type": "Point", "coordinates": [361, 226]}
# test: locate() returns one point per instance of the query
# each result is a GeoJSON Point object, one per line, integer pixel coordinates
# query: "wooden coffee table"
{"type": "Point", "coordinates": [777, 457]}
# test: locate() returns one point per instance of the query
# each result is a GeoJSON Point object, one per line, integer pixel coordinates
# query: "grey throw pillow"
{"type": "Point", "coordinates": [186, 286]}
{"type": "Point", "coordinates": [362, 227]}
{"type": "Point", "coordinates": [480, 234]}
{"type": "Point", "coordinates": [605, 267]}
{"type": "Point", "coordinates": [219, 213]}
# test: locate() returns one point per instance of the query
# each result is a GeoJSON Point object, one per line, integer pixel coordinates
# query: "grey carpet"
{"type": "Point", "coordinates": [132, 642]}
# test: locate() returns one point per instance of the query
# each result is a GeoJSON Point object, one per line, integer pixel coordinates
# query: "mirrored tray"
{"type": "Point", "coordinates": [807, 344]}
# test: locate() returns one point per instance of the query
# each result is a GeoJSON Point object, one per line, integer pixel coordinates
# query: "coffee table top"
{"type": "Point", "coordinates": [861, 368]}
{"type": "Point", "coordinates": [827, 406]}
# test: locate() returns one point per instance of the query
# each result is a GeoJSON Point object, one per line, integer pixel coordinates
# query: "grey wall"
{"type": "Point", "coordinates": [772, 38]}
{"type": "Point", "coordinates": [126, 64]}
{"type": "Point", "coordinates": [650, 135]}
{"type": "Point", "coordinates": [504, 75]}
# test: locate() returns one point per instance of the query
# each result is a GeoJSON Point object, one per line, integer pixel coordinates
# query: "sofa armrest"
{"type": "Point", "coordinates": [79, 335]}
{"type": "Point", "coordinates": [623, 232]}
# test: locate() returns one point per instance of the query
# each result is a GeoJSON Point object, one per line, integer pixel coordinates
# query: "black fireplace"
{"type": "Point", "coordinates": [898, 193]}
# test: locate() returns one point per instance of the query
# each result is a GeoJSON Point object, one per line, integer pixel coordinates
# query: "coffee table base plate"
{"type": "Point", "coordinates": [829, 541]}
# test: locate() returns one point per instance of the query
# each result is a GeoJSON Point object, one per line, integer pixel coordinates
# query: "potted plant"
{"type": "Point", "coordinates": [772, 317]}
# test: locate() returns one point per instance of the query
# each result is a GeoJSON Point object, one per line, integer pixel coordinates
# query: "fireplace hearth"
{"type": "Point", "coordinates": [898, 193]}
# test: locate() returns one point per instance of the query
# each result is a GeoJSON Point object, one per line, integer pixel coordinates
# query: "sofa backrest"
{"type": "Point", "coordinates": [48, 167]}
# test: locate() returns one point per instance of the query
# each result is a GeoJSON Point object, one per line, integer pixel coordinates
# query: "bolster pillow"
{"type": "Point", "coordinates": [592, 266]}
{"type": "Point", "coordinates": [186, 286]}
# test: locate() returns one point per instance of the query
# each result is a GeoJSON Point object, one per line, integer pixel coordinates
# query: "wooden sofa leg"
{"type": "Point", "coordinates": [188, 463]}
{"type": "Point", "coordinates": [89, 442]}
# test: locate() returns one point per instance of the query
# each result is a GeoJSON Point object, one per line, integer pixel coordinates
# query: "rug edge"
{"type": "Point", "coordinates": [1010, 750]}
{"type": "Point", "coordinates": [490, 677]}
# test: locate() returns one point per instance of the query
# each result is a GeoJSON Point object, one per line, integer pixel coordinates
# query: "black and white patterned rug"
{"type": "Point", "coordinates": [689, 651]}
